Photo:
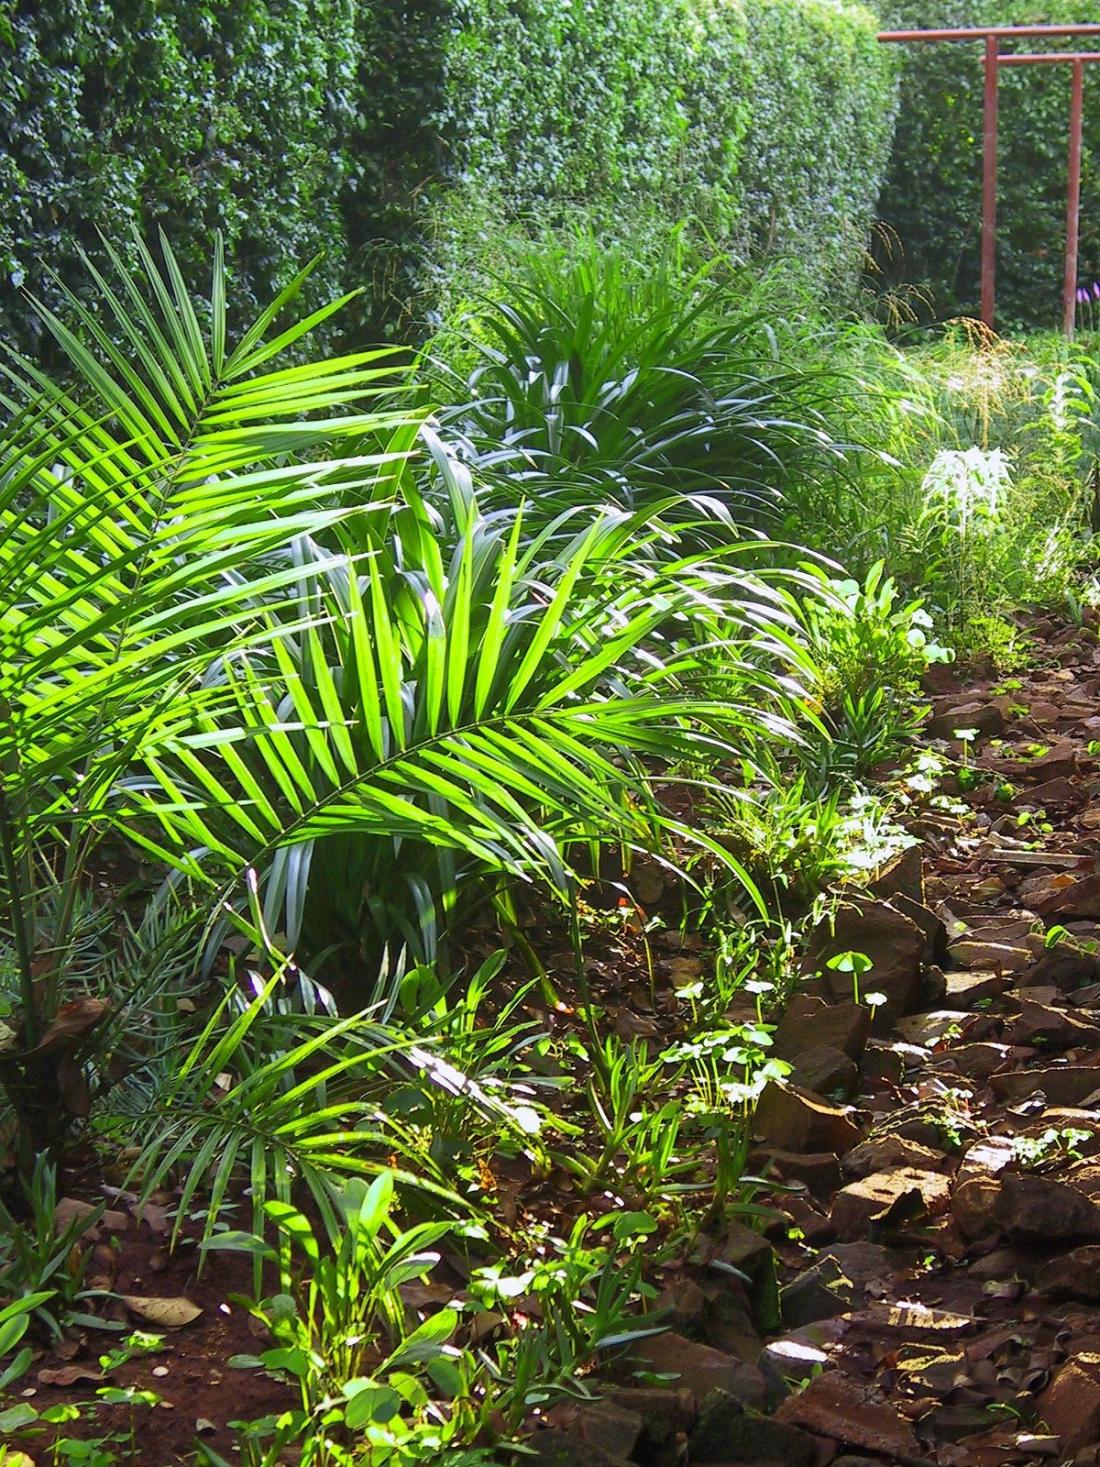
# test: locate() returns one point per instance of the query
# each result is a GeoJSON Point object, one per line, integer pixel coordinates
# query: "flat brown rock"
{"type": "Point", "coordinates": [882, 1153]}
{"type": "Point", "coordinates": [597, 1432]}
{"type": "Point", "coordinates": [984, 718]}
{"type": "Point", "coordinates": [1032, 1209]}
{"type": "Point", "coordinates": [894, 944]}
{"type": "Point", "coordinates": [883, 1065]}
{"type": "Point", "coordinates": [928, 1029]}
{"type": "Point", "coordinates": [963, 989]}
{"type": "Point", "coordinates": [700, 1369]}
{"type": "Point", "coordinates": [887, 1198]}
{"type": "Point", "coordinates": [978, 1061]}
{"type": "Point", "coordinates": [811, 1023]}
{"type": "Point", "coordinates": [902, 875]}
{"type": "Point", "coordinates": [974, 1207]}
{"type": "Point", "coordinates": [849, 1411]}
{"type": "Point", "coordinates": [1070, 1405]}
{"type": "Point", "coordinates": [1053, 793]}
{"type": "Point", "coordinates": [998, 957]}
{"type": "Point", "coordinates": [1061, 1084]}
{"type": "Point", "coordinates": [977, 1187]}
{"type": "Point", "coordinates": [798, 1120]}
{"type": "Point", "coordinates": [1059, 1028]}
{"type": "Point", "coordinates": [1059, 762]}
{"type": "Point", "coordinates": [1081, 896]}
{"type": "Point", "coordinates": [1074, 1275]}
{"type": "Point", "coordinates": [868, 1265]}
{"type": "Point", "coordinates": [826, 1071]}
{"type": "Point", "coordinates": [818, 1170]}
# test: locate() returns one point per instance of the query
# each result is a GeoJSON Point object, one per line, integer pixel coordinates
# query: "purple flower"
{"type": "Point", "coordinates": [1082, 295]}
{"type": "Point", "coordinates": [1096, 290]}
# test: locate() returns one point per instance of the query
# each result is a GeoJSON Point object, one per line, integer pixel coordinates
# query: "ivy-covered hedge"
{"type": "Point", "coordinates": [602, 100]}
{"type": "Point", "coordinates": [770, 120]}
{"type": "Point", "coordinates": [184, 114]}
{"type": "Point", "coordinates": [299, 125]}
{"type": "Point", "coordinates": [821, 101]}
{"type": "Point", "coordinates": [933, 193]}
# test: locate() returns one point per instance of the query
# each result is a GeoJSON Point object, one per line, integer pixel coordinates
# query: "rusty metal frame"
{"type": "Point", "coordinates": [994, 59]}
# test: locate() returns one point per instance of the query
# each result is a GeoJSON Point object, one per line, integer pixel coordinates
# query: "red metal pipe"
{"type": "Point", "coordinates": [989, 182]}
{"type": "Point", "coordinates": [1073, 196]}
{"type": "Point", "coordinates": [992, 35]}
{"type": "Point", "coordinates": [1016, 59]}
{"type": "Point", "coordinates": [977, 33]}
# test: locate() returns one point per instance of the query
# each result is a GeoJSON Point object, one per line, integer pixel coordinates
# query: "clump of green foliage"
{"type": "Point", "coordinates": [338, 731]}
{"type": "Point", "coordinates": [583, 376]}
{"type": "Point", "coordinates": [188, 117]}
{"type": "Point", "coordinates": [974, 482]}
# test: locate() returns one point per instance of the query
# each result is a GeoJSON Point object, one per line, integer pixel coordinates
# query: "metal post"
{"type": "Point", "coordinates": [1073, 198]}
{"type": "Point", "coordinates": [989, 184]}
{"type": "Point", "coordinates": [989, 181]}
{"type": "Point", "coordinates": [994, 59]}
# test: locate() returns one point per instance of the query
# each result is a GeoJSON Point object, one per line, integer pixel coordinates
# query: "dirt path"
{"type": "Point", "coordinates": [939, 1261]}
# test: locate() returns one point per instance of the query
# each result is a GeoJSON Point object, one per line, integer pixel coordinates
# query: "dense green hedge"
{"type": "Point", "coordinates": [821, 100]}
{"type": "Point", "coordinates": [770, 120]}
{"type": "Point", "coordinates": [181, 113]}
{"type": "Point", "coordinates": [933, 194]}
{"type": "Point", "coordinates": [603, 101]}
{"type": "Point", "coordinates": [299, 125]}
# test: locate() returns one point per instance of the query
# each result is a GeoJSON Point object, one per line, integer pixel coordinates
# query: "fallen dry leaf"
{"type": "Point", "coordinates": [72, 1086]}
{"type": "Point", "coordinates": [67, 1375]}
{"type": "Point", "coordinates": [168, 1313]}
{"type": "Point", "coordinates": [71, 1020]}
{"type": "Point", "coordinates": [71, 1208]}
{"type": "Point", "coordinates": [154, 1216]}
{"type": "Point", "coordinates": [911, 1314]}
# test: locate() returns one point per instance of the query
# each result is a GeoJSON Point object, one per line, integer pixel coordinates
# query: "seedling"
{"type": "Point", "coordinates": [967, 774]}
{"type": "Point", "coordinates": [856, 964]}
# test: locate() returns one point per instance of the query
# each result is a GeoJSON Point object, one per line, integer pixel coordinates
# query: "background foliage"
{"type": "Point", "coordinates": [933, 192]}
{"type": "Point", "coordinates": [177, 114]}
{"type": "Point", "coordinates": [297, 127]}
{"type": "Point", "coordinates": [821, 105]}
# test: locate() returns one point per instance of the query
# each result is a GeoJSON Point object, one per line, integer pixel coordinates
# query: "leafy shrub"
{"type": "Point", "coordinates": [142, 518]}
{"type": "Point", "coordinates": [821, 123]}
{"type": "Point", "coordinates": [595, 380]}
{"type": "Point", "coordinates": [1007, 498]}
{"type": "Point", "coordinates": [765, 122]}
{"type": "Point", "coordinates": [467, 707]}
{"type": "Point", "coordinates": [363, 1375]}
{"type": "Point", "coordinates": [932, 197]}
{"type": "Point", "coordinates": [871, 651]}
{"type": "Point", "coordinates": [963, 398]}
{"type": "Point", "coordinates": [795, 837]}
{"type": "Point", "coordinates": [600, 102]}
{"type": "Point", "coordinates": [863, 637]}
{"type": "Point", "coordinates": [376, 702]}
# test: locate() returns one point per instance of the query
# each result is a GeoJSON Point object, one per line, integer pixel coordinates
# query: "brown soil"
{"type": "Point", "coordinates": [200, 1392]}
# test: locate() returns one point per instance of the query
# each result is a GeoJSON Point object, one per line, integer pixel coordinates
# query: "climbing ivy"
{"type": "Point", "coordinates": [182, 114]}
{"type": "Point", "coordinates": [299, 126]}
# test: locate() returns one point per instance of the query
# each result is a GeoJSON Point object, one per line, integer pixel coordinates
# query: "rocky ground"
{"type": "Point", "coordinates": [931, 1292]}
{"type": "Point", "coordinates": [926, 1288]}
